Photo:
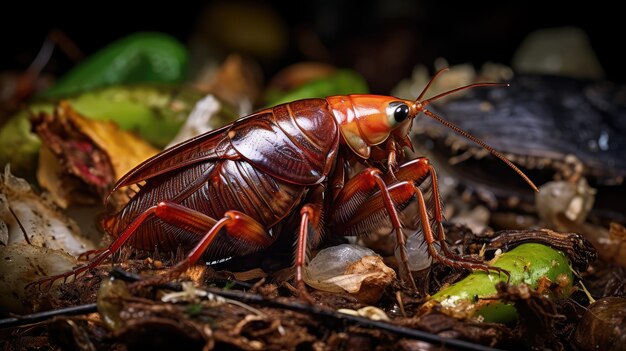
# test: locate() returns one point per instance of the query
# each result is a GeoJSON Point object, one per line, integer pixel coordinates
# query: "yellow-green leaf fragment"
{"type": "Point", "coordinates": [153, 111]}
{"type": "Point", "coordinates": [536, 265]}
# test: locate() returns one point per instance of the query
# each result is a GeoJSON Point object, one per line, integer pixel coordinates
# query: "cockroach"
{"type": "Point", "coordinates": [232, 191]}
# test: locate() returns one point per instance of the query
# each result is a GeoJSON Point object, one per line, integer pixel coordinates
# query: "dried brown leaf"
{"type": "Point", "coordinates": [84, 156]}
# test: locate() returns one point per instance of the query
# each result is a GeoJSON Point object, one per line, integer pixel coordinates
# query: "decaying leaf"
{"type": "Point", "coordinates": [37, 240]}
{"type": "Point", "coordinates": [296, 75]}
{"type": "Point", "coordinates": [29, 218]}
{"type": "Point", "coordinates": [22, 264]}
{"type": "Point", "coordinates": [84, 156]}
{"type": "Point", "coordinates": [614, 249]}
{"type": "Point", "coordinates": [237, 81]}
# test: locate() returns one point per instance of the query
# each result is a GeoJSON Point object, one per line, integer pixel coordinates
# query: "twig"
{"type": "Point", "coordinates": [42, 316]}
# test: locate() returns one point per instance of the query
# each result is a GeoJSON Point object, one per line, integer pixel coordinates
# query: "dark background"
{"type": "Point", "coordinates": [349, 31]}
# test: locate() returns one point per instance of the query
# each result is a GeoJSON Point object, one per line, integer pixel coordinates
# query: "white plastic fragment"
{"type": "Point", "coordinates": [199, 120]}
{"type": "Point", "coordinates": [371, 312]}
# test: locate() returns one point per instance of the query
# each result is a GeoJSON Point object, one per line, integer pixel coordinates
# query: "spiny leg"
{"type": "Point", "coordinates": [310, 234]}
{"type": "Point", "coordinates": [418, 170]}
{"type": "Point", "coordinates": [358, 189]}
{"type": "Point", "coordinates": [101, 254]}
{"type": "Point", "coordinates": [438, 216]}
{"type": "Point", "coordinates": [310, 218]}
{"type": "Point", "coordinates": [176, 215]}
{"type": "Point", "coordinates": [235, 224]}
{"type": "Point", "coordinates": [88, 255]}
{"type": "Point", "coordinates": [432, 250]}
{"type": "Point", "coordinates": [368, 217]}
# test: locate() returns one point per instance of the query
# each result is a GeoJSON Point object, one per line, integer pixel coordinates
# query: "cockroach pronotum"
{"type": "Point", "coordinates": [232, 191]}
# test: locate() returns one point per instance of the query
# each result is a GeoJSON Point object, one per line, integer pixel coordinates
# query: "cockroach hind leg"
{"type": "Point", "coordinates": [45, 284]}
{"type": "Point", "coordinates": [88, 255]}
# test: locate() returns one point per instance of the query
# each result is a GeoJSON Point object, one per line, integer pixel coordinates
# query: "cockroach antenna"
{"type": "Point", "coordinates": [420, 105]}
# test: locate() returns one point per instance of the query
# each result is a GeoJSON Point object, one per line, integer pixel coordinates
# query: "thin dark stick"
{"type": "Point", "coordinates": [42, 316]}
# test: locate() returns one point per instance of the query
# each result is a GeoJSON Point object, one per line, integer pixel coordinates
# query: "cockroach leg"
{"type": "Point", "coordinates": [88, 255]}
{"type": "Point", "coordinates": [235, 224]}
{"type": "Point", "coordinates": [432, 250]}
{"type": "Point", "coordinates": [101, 256]}
{"type": "Point", "coordinates": [438, 214]}
{"type": "Point", "coordinates": [355, 192]}
{"type": "Point", "coordinates": [310, 224]}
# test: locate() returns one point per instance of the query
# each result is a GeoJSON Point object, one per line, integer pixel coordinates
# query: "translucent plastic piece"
{"type": "Point", "coordinates": [417, 249]}
{"type": "Point", "coordinates": [350, 268]}
{"type": "Point", "coordinates": [333, 261]}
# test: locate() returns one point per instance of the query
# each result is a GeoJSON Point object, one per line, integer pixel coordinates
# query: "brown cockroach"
{"type": "Point", "coordinates": [232, 191]}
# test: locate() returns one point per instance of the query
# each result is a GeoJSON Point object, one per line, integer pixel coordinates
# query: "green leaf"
{"type": "Point", "coordinates": [339, 83]}
{"type": "Point", "coordinates": [143, 57]}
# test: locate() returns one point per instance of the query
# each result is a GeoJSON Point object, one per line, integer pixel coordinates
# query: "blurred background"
{"type": "Point", "coordinates": [381, 39]}
{"type": "Point", "coordinates": [565, 126]}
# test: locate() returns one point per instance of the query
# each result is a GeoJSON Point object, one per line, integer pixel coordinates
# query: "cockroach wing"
{"type": "Point", "coordinates": [211, 145]}
{"type": "Point", "coordinates": [296, 142]}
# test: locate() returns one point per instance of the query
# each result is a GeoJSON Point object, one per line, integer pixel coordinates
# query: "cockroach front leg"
{"type": "Point", "coordinates": [349, 212]}
{"type": "Point", "coordinates": [392, 158]}
{"type": "Point", "coordinates": [364, 206]}
{"type": "Point", "coordinates": [391, 152]}
{"type": "Point", "coordinates": [417, 171]}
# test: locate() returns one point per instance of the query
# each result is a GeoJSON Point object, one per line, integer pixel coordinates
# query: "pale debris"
{"type": "Point", "coordinates": [571, 200]}
{"type": "Point", "coordinates": [370, 312]}
{"type": "Point", "coordinates": [192, 294]}
{"type": "Point", "coordinates": [350, 268]}
{"type": "Point", "coordinates": [199, 120]}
